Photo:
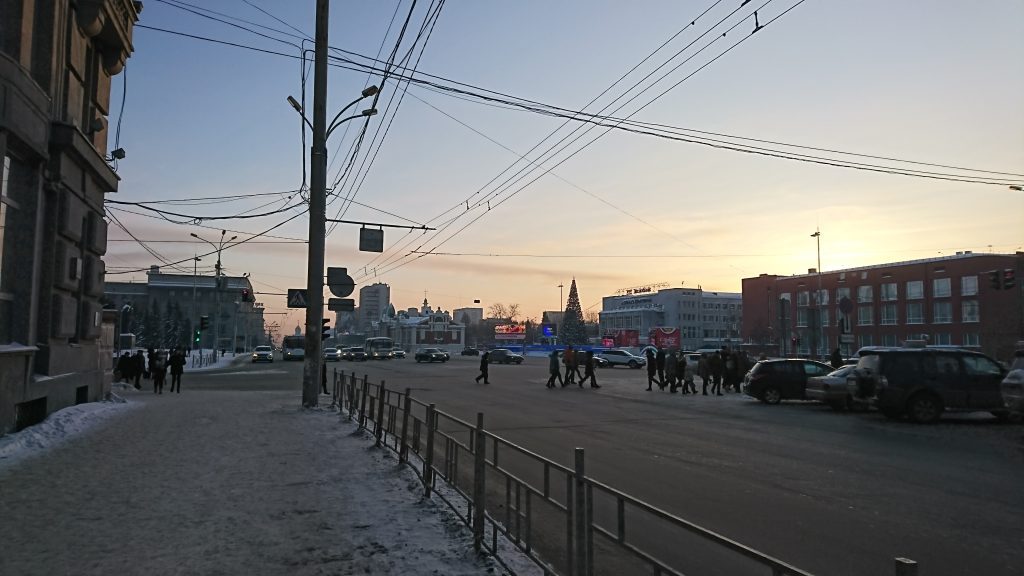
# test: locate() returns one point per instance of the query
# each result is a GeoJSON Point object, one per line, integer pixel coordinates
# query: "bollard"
{"type": "Point", "coordinates": [428, 461]}
{"type": "Point", "coordinates": [479, 481]}
{"type": "Point", "coordinates": [403, 449]}
{"type": "Point", "coordinates": [382, 395]}
{"type": "Point", "coordinates": [580, 517]}
{"type": "Point", "coordinates": [906, 567]}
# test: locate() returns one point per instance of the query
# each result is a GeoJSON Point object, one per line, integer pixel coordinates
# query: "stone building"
{"type": "Point", "coordinates": [57, 59]}
{"type": "Point", "coordinates": [373, 302]}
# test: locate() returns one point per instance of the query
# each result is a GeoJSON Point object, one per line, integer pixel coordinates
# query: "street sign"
{"type": "Point", "coordinates": [845, 305]}
{"type": "Point", "coordinates": [297, 298]}
{"type": "Point", "coordinates": [846, 338]}
{"type": "Point", "coordinates": [371, 239]}
{"type": "Point", "coordinates": [341, 304]}
{"type": "Point", "coordinates": [340, 283]}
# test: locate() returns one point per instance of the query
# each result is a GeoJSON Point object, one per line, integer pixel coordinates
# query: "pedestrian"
{"type": "Point", "coordinates": [158, 370]}
{"type": "Point", "coordinates": [715, 366]}
{"type": "Point", "coordinates": [177, 364]}
{"type": "Point", "coordinates": [150, 356]}
{"type": "Point", "coordinates": [485, 363]}
{"type": "Point", "coordinates": [323, 377]}
{"type": "Point", "coordinates": [138, 367]}
{"type": "Point", "coordinates": [588, 370]}
{"type": "Point", "coordinates": [568, 357]}
{"type": "Point", "coordinates": [703, 372]}
{"type": "Point", "coordinates": [556, 374]}
{"type": "Point", "coordinates": [671, 365]}
{"type": "Point", "coordinates": [659, 359]}
{"type": "Point", "coordinates": [687, 374]}
{"type": "Point", "coordinates": [652, 369]}
{"type": "Point", "coordinates": [729, 371]}
{"type": "Point", "coordinates": [837, 359]}
{"type": "Point", "coordinates": [577, 358]}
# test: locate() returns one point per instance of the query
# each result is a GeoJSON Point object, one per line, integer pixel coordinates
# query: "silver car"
{"type": "Point", "coordinates": [263, 354]}
{"type": "Point", "coordinates": [831, 388]}
{"type": "Point", "coordinates": [622, 358]}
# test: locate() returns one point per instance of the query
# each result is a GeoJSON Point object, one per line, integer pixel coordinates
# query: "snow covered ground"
{"type": "Point", "coordinates": [212, 482]}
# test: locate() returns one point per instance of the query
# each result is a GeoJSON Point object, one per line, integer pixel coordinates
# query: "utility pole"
{"type": "Point", "coordinates": [317, 215]}
{"type": "Point", "coordinates": [817, 299]}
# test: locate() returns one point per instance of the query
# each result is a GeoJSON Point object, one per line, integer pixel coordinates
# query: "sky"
{"type": "Point", "coordinates": [937, 82]}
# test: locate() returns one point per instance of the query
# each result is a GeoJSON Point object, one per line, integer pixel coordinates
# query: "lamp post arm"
{"type": "Point", "coordinates": [335, 122]}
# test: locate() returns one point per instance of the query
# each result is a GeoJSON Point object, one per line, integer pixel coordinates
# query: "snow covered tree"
{"type": "Point", "coordinates": [573, 329]}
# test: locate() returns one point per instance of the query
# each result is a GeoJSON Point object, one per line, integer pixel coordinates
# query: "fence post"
{"type": "Point", "coordinates": [403, 449]}
{"type": "Point", "coordinates": [479, 479]}
{"type": "Point", "coordinates": [382, 396]}
{"type": "Point", "coordinates": [906, 567]}
{"type": "Point", "coordinates": [362, 405]}
{"type": "Point", "coordinates": [428, 460]}
{"type": "Point", "coordinates": [352, 396]}
{"type": "Point", "coordinates": [580, 517]}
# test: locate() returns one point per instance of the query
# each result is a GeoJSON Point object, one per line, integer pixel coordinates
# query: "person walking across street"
{"type": "Point", "coordinates": [578, 357]}
{"type": "Point", "coordinates": [686, 373]}
{"type": "Point", "coordinates": [704, 372]}
{"type": "Point", "coordinates": [588, 370]}
{"type": "Point", "coordinates": [485, 364]}
{"type": "Point", "coordinates": [554, 369]}
{"type": "Point", "coordinates": [177, 364]}
{"type": "Point", "coordinates": [158, 370]}
{"type": "Point", "coordinates": [568, 357]}
{"type": "Point", "coordinates": [659, 359]}
{"type": "Point", "coordinates": [652, 370]}
{"type": "Point", "coordinates": [138, 367]}
{"type": "Point", "coordinates": [836, 360]}
{"type": "Point", "coordinates": [671, 364]}
{"type": "Point", "coordinates": [715, 366]}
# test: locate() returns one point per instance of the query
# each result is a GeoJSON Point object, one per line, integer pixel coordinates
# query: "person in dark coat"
{"type": "Point", "coordinates": [568, 357]}
{"type": "Point", "coordinates": [837, 359]}
{"type": "Point", "coordinates": [554, 369]}
{"type": "Point", "coordinates": [652, 370]}
{"type": "Point", "coordinates": [716, 366]}
{"type": "Point", "coordinates": [158, 370]}
{"type": "Point", "coordinates": [177, 364]}
{"type": "Point", "coordinates": [588, 370]}
{"type": "Point", "coordinates": [150, 356]}
{"type": "Point", "coordinates": [671, 365]}
{"type": "Point", "coordinates": [124, 367]}
{"type": "Point", "coordinates": [138, 367]}
{"type": "Point", "coordinates": [660, 360]}
{"type": "Point", "coordinates": [485, 364]}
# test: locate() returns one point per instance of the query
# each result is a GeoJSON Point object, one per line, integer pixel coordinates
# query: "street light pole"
{"type": "Point", "coordinates": [216, 285]}
{"type": "Point", "coordinates": [192, 314]}
{"type": "Point", "coordinates": [817, 299]}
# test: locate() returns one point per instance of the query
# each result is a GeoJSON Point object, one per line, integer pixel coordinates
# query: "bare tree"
{"type": "Point", "coordinates": [498, 310]}
{"type": "Point", "coordinates": [512, 310]}
{"type": "Point", "coordinates": [592, 317]}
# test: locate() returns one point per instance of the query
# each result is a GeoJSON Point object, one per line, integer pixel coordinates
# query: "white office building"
{"type": "Point", "coordinates": [704, 319]}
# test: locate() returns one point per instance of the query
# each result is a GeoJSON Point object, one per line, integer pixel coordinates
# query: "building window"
{"type": "Point", "coordinates": [822, 297]}
{"type": "Point", "coordinates": [888, 339]}
{"type": "Point", "coordinates": [968, 285]}
{"type": "Point", "coordinates": [915, 313]}
{"type": "Point", "coordinates": [888, 314]}
{"type": "Point", "coordinates": [865, 315]}
{"type": "Point", "coordinates": [841, 293]}
{"type": "Point", "coordinates": [969, 311]}
{"type": "Point", "coordinates": [941, 288]}
{"type": "Point", "coordinates": [865, 340]}
{"type": "Point", "coordinates": [888, 292]}
{"type": "Point", "coordinates": [864, 294]}
{"type": "Point", "coordinates": [971, 339]}
{"type": "Point", "coordinates": [915, 290]}
{"type": "Point", "coordinates": [943, 313]}
{"type": "Point", "coordinates": [801, 317]}
{"type": "Point", "coordinates": [942, 339]}
{"type": "Point", "coordinates": [802, 298]}
{"type": "Point", "coordinates": [824, 317]}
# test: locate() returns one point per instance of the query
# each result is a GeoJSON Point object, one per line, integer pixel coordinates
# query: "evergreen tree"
{"type": "Point", "coordinates": [572, 330]}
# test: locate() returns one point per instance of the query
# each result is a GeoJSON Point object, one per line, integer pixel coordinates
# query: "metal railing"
{"type": "Point", "coordinates": [550, 512]}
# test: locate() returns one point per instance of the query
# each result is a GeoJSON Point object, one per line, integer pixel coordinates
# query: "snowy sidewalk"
{"type": "Point", "coordinates": [211, 482]}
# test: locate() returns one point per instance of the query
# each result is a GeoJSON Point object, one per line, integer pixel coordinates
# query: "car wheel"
{"type": "Point", "coordinates": [924, 408]}
{"type": "Point", "coordinates": [771, 395]}
{"type": "Point", "coordinates": [633, 364]}
{"type": "Point", "coordinates": [519, 361]}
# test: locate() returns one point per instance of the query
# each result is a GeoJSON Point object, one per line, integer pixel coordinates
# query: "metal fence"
{"type": "Point", "coordinates": [567, 523]}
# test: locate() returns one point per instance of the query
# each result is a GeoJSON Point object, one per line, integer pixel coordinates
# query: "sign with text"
{"type": "Point", "coordinates": [510, 332]}
{"type": "Point", "coordinates": [664, 337]}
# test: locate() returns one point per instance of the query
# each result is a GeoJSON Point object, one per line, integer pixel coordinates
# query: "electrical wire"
{"type": "Point", "coordinates": [204, 226]}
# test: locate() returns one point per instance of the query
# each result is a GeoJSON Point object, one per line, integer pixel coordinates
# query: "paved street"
{"type": "Point", "coordinates": [832, 493]}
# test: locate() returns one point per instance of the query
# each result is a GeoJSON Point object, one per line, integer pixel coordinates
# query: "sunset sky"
{"type": "Point", "coordinates": [937, 82]}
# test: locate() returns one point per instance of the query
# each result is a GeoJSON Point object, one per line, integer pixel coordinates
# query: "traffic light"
{"type": "Point", "coordinates": [325, 332]}
{"type": "Point", "coordinates": [994, 280]}
{"type": "Point", "coordinates": [197, 336]}
{"type": "Point", "coordinates": [246, 295]}
{"type": "Point", "coordinates": [204, 322]}
{"type": "Point", "coordinates": [1009, 279]}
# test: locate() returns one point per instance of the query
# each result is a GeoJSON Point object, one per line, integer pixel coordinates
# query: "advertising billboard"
{"type": "Point", "coordinates": [510, 332]}
{"type": "Point", "coordinates": [665, 337]}
{"type": "Point", "coordinates": [627, 338]}
{"type": "Point", "coordinates": [549, 330]}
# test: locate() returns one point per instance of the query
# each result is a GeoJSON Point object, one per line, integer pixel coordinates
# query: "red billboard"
{"type": "Point", "coordinates": [664, 337]}
{"type": "Point", "coordinates": [509, 332]}
{"type": "Point", "coordinates": [627, 338]}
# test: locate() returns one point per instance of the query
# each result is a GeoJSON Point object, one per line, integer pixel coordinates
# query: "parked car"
{"type": "Point", "coordinates": [772, 381]}
{"type": "Point", "coordinates": [925, 382]}
{"type": "Point", "coordinates": [398, 353]}
{"type": "Point", "coordinates": [831, 389]}
{"type": "Point", "coordinates": [623, 358]}
{"type": "Point", "coordinates": [357, 353]}
{"type": "Point", "coordinates": [332, 354]}
{"type": "Point", "coordinates": [263, 354]}
{"type": "Point", "coordinates": [504, 356]}
{"type": "Point", "coordinates": [470, 351]}
{"type": "Point", "coordinates": [431, 355]}
{"type": "Point", "coordinates": [346, 353]}
{"type": "Point", "coordinates": [1012, 387]}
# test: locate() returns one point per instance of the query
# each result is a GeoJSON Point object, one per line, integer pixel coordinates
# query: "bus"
{"type": "Point", "coordinates": [379, 348]}
{"type": "Point", "coordinates": [294, 347]}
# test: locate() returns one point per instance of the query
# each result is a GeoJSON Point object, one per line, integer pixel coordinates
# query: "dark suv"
{"type": "Point", "coordinates": [771, 381]}
{"type": "Point", "coordinates": [923, 383]}
{"type": "Point", "coordinates": [504, 356]}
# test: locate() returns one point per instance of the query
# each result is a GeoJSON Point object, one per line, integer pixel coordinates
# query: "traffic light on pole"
{"type": "Point", "coordinates": [325, 332]}
{"type": "Point", "coordinates": [204, 322]}
{"type": "Point", "coordinates": [197, 336]}
{"type": "Point", "coordinates": [994, 280]}
{"type": "Point", "coordinates": [1009, 279]}
{"type": "Point", "coordinates": [246, 295]}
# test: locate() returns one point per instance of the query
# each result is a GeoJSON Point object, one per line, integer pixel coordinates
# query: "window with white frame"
{"type": "Point", "coordinates": [841, 293]}
{"type": "Point", "coordinates": [865, 315]}
{"type": "Point", "coordinates": [968, 285]}
{"type": "Point", "coordinates": [824, 317]}
{"type": "Point", "coordinates": [801, 317]}
{"type": "Point", "coordinates": [941, 288]}
{"type": "Point", "coordinates": [942, 339]}
{"type": "Point", "coordinates": [802, 298]}
{"type": "Point", "coordinates": [865, 340]}
{"type": "Point", "coordinates": [915, 290]}
{"type": "Point", "coordinates": [971, 339]}
{"type": "Point", "coordinates": [942, 313]}
{"type": "Point", "coordinates": [865, 294]}
{"type": "Point", "coordinates": [969, 311]}
{"type": "Point", "coordinates": [889, 317]}
{"type": "Point", "coordinates": [915, 313]}
{"type": "Point", "coordinates": [888, 292]}
{"type": "Point", "coordinates": [888, 339]}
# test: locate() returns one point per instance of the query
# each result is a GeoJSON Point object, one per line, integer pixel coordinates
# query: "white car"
{"type": "Point", "coordinates": [263, 354]}
{"type": "Point", "coordinates": [332, 354]}
{"type": "Point", "coordinates": [622, 358]}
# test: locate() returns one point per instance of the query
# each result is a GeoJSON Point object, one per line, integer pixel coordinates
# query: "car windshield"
{"type": "Point", "coordinates": [433, 350]}
{"type": "Point", "coordinates": [357, 349]}
{"type": "Point", "coordinates": [263, 349]}
{"type": "Point", "coordinates": [330, 350]}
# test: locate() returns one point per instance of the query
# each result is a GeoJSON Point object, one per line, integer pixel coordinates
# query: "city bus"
{"type": "Point", "coordinates": [294, 347]}
{"type": "Point", "coordinates": [379, 348]}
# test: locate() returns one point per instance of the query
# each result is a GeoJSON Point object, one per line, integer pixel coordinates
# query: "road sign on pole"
{"type": "Point", "coordinates": [340, 283]}
{"type": "Point", "coordinates": [371, 239]}
{"type": "Point", "coordinates": [341, 305]}
{"type": "Point", "coordinates": [297, 298]}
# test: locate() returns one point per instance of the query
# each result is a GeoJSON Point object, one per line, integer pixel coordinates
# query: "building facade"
{"type": "Point", "coordinates": [949, 300]}
{"type": "Point", "coordinates": [468, 315]}
{"type": "Point", "coordinates": [57, 60]}
{"type": "Point", "coordinates": [424, 328]}
{"type": "Point", "coordinates": [164, 311]}
{"type": "Point", "coordinates": [704, 319]}
{"type": "Point", "coordinates": [373, 302]}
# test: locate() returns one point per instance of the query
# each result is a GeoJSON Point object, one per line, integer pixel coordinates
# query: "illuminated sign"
{"type": "Point", "coordinates": [509, 332]}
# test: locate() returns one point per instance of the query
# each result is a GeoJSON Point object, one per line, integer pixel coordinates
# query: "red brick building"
{"type": "Point", "coordinates": [950, 300]}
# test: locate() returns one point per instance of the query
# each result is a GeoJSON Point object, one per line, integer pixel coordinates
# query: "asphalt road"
{"type": "Point", "coordinates": [831, 493]}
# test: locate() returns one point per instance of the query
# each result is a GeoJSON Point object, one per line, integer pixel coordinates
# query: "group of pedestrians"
{"type": "Point", "coordinates": [153, 364]}
{"type": "Point", "coordinates": [572, 359]}
{"type": "Point", "coordinates": [722, 370]}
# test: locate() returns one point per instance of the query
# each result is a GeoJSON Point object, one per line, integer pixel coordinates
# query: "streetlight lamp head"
{"type": "Point", "coordinates": [370, 112]}
{"type": "Point", "coordinates": [295, 104]}
{"type": "Point", "coordinates": [194, 235]}
{"type": "Point", "coordinates": [232, 238]}
{"type": "Point", "coordinates": [370, 91]}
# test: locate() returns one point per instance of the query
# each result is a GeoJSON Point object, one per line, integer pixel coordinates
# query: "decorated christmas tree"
{"type": "Point", "coordinates": [572, 330]}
